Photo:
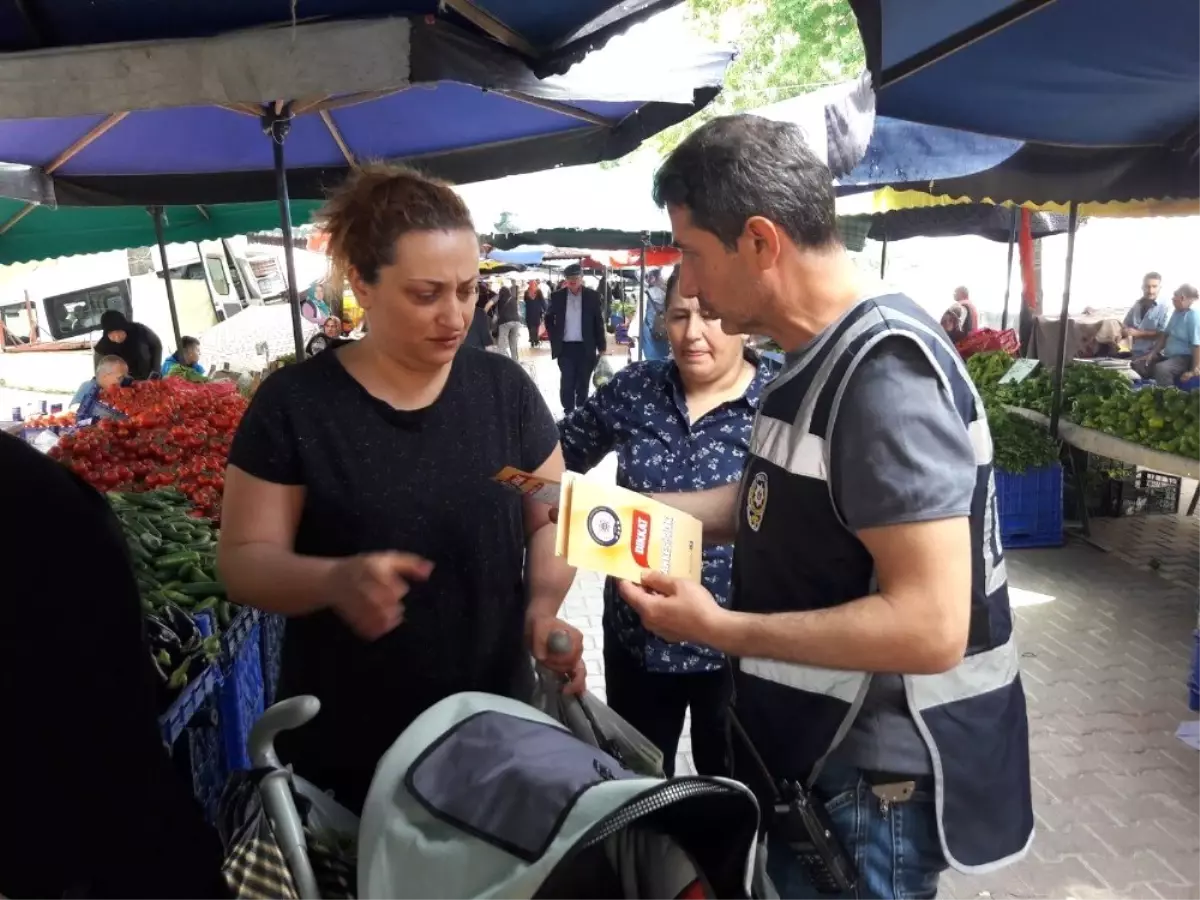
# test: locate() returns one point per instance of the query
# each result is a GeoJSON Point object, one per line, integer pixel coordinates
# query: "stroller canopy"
{"type": "Point", "coordinates": [483, 796]}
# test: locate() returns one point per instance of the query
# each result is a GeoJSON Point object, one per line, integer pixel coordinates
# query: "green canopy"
{"type": "Point", "coordinates": [46, 233]}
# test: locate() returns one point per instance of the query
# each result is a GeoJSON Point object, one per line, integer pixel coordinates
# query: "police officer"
{"type": "Point", "coordinates": [870, 621]}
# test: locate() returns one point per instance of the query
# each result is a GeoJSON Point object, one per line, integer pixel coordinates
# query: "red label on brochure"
{"type": "Point", "coordinates": [640, 543]}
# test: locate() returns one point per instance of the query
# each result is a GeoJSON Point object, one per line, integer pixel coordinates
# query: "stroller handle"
{"type": "Point", "coordinates": [285, 715]}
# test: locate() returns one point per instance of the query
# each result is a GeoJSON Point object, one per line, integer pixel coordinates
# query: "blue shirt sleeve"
{"type": "Point", "coordinates": [590, 433]}
{"type": "Point", "coordinates": [1192, 328]}
{"type": "Point", "coordinates": [1158, 321]}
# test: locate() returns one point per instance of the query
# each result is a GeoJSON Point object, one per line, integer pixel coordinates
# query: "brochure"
{"type": "Point", "coordinates": [614, 531]}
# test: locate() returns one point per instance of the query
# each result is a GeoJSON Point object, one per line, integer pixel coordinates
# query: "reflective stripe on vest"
{"type": "Point", "coordinates": [972, 718]}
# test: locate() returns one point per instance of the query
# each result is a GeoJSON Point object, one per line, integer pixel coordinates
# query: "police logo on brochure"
{"type": "Point", "coordinates": [604, 526]}
{"type": "Point", "coordinates": [756, 501]}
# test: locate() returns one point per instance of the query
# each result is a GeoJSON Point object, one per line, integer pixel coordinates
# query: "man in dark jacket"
{"type": "Point", "coordinates": [575, 324]}
{"type": "Point", "coordinates": [92, 805]}
{"type": "Point", "coordinates": [133, 342]}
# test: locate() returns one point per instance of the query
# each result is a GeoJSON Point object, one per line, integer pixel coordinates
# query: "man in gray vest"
{"type": "Point", "coordinates": [870, 620]}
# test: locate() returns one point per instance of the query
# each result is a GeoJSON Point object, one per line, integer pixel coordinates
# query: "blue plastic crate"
{"type": "Point", "coordinates": [189, 702]}
{"type": "Point", "coordinates": [1031, 507]}
{"type": "Point", "coordinates": [240, 698]}
{"type": "Point", "coordinates": [272, 654]}
{"type": "Point", "coordinates": [1194, 677]}
{"type": "Point", "coordinates": [199, 751]}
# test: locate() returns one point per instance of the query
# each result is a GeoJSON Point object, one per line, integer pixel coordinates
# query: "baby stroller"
{"type": "Point", "coordinates": [484, 796]}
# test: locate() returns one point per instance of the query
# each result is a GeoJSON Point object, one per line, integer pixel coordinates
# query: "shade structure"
{"type": "Point", "coordinates": [50, 233]}
{"type": "Point", "coordinates": [189, 128]}
{"type": "Point", "coordinates": [979, 219]}
{"type": "Point", "coordinates": [1083, 73]}
{"type": "Point", "coordinates": [594, 238]}
{"type": "Point", "coordinates": [551, 34]}
{"type": "Point", "coordinates": [1038, 175]}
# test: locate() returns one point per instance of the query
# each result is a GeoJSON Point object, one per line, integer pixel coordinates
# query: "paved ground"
{"type": "Point", "coordinates": [1106, 649]}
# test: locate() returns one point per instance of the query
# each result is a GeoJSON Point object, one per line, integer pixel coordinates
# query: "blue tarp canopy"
{"type": "Point", "coordinates": [901, 151]}
{"type": "Point", "coordinates": [455, 103]}
{"type": "Point", "coordinates": [555, 33]}
{"type": "Point", "coordinates": [1084, 73]}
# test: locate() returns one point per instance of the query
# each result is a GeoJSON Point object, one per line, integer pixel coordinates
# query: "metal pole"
{"type": "Point", "coordinates": [277, 123]}
{"type": "Point", "coordinates": [1012, 241]}
{"type": "Point", "coordinates": [157, 213]}
{"type": "Point", "coordinates": [1061, 364]}
{"type": "Point", "coordinates": [641, 310]}
{"type": "Point", "coordinates": [883, 258]}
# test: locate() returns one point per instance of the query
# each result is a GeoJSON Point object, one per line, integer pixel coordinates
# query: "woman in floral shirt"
{"type": "Point", "coordinates": [676, 424]}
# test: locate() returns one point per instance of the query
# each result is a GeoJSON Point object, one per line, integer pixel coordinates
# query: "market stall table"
{"type": "Point", "coordinates": [1090, 440]}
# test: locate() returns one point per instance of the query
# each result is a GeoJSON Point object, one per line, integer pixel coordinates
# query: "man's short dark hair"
{"type": "Point", "coordinates": [1151, 275]}
{"type": "Point", "coordinates": [736, 167]}
{"type": "Point", "coordinates": [187, 343]}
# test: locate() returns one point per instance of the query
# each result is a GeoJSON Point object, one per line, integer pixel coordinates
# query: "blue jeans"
{"type": "Point", "coordinates": [896, 853]}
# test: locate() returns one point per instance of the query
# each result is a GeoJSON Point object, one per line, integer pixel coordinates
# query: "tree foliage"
{"type": "Point", "coordinates": [785, 48]}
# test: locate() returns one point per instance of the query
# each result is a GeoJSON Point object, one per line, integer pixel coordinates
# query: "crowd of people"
{"type": "Point", "coordinates": [852, 619]}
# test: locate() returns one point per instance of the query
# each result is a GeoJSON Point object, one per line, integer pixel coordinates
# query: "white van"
{"type": "Point", "coordinates": [62, 300]}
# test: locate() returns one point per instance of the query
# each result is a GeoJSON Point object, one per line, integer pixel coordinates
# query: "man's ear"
{"type": "Point", "coordinates": [766, 240]}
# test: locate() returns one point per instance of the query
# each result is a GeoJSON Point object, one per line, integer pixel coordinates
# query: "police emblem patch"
{"type": "Point", "coordinates": [756, 501]}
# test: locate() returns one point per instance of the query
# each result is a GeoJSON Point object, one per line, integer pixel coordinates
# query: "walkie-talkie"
{"type": "Point", "coordinates": [802, 822]}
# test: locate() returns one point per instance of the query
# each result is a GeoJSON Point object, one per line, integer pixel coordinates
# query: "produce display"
{"type": "Point", "coordinates": [174, 433]}
{"type": "Point", "coordinates": [187, 373]}
{"type": "Point", "coordinates": [1165, 419]}
{"type": "Point", "coordinates": [174, 558]}
{"type": "Point", "coordinates": [51, 420]}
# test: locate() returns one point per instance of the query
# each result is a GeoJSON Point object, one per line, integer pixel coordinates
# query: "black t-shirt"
{"type": "Point", "coordinates": [419, 481]}
{"type": "Point", "coordinates": [90, 802]}
{"type": "Point", "coordinates": [508, 307]}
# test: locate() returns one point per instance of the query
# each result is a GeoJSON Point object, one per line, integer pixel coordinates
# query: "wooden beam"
{"type": "Point", "coordinates": [336, 134]}
{"type": "Point", "coordinates": [563, 109]}
{"type": "Point", "coordinates": [492, 26]}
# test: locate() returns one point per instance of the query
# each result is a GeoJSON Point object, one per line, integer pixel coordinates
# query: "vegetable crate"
{"type": "Point", "coordinates": [240, 698]}
{"type": "Point", "coordinates": [272, 655]}
{"type": "Point", "coordinates": [1194, 677]}
{"type": "Point", "coordinates": [1031, 507]}
{"type": "Point", "coordinates": [189, 730]}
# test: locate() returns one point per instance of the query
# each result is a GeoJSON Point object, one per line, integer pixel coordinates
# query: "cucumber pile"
{"type": "Point", "coordinates": [174, 558]}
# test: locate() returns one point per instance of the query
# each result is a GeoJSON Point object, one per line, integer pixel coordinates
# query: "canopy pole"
{"type": "Point", "coordinates": [157, 213]}
{"type": "Point", "coordinates": [277, 122]}
{"type": "Point", "coordinates": [1061, 364]}
{"type": "Point", "coordinates": [641, 310]}
{"type": "Point", "coordinates": [883, 258]}
{"type": "Point", "coordinates": [1012, 242]}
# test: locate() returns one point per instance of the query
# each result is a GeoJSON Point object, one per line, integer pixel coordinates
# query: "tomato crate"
{"type": "Point", "coordinates": [240, 699]}
{"type": "Point", "coordinates": [1031, 507]}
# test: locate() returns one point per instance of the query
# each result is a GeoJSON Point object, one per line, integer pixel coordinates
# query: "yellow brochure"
{"type": "Point", "coordinates": [531, 486]}
{"type": "Point", "coordinates": [608, 529]}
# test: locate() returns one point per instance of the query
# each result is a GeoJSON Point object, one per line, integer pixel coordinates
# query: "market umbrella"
{"type": "Point", "coordinates": [1073, 73]}
{"type": "Point", "coordinates": [550, 34]}
{"type": "Point", "coordinates": [459, 104]}
{"type": "Point", "coordinates": [496, 267]}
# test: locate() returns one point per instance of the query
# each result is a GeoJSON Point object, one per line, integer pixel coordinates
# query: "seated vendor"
{"type": "Point", "coordinates": [954, 321]}
{"type": "Point", "coordinates": [186, 357]}
{"type": "Point", "coordinates": [1144, 321]}
{"type": "Point", "coordinates": [111, 371]}
{"type": "Point", "coordinates": [1175, 354]}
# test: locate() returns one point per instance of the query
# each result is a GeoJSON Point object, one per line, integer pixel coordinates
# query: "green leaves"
{"type": "Point", "coordinates": [785, 48]}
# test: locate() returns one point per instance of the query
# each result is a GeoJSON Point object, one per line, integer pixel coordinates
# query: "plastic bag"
{"type": "Point", "coordinates": [602, 374]}
{"type": "Point", "coordinates": [986, 339]}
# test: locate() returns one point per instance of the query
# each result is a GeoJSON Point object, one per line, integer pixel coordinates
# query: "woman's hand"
{"type": "Point", "coordinates": [544, 635]}
{"type": "Point", "coordinates": [368, 590]}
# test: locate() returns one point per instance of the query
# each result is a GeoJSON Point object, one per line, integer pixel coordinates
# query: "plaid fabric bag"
{"type": "Point", "coordinates": [254, 864]}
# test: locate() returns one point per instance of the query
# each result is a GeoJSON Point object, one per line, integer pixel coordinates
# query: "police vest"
{"type": "Point", "coordinates": [794, 552]}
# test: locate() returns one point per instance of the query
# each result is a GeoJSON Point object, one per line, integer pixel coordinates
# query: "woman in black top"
{"type": "Point", "coordinates": [359, 499]}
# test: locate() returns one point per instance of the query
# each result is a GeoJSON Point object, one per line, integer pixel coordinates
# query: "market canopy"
{"type": "Point", "coordinates": [592, 238]}
{"type": "Point", "coordinates": [50, 233]}
{"type": "Point", "coordinates": [1081, 73]}
{"type": "Point", "coordinates": [457, 104]}
{"type": "Point", "coordinates": [552, 34]}
{"type": "Point", "coordinates": [996, 223]}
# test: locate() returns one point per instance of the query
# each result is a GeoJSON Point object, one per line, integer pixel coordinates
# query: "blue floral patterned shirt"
{"type": "Point", "coordinates": [642, 415]}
